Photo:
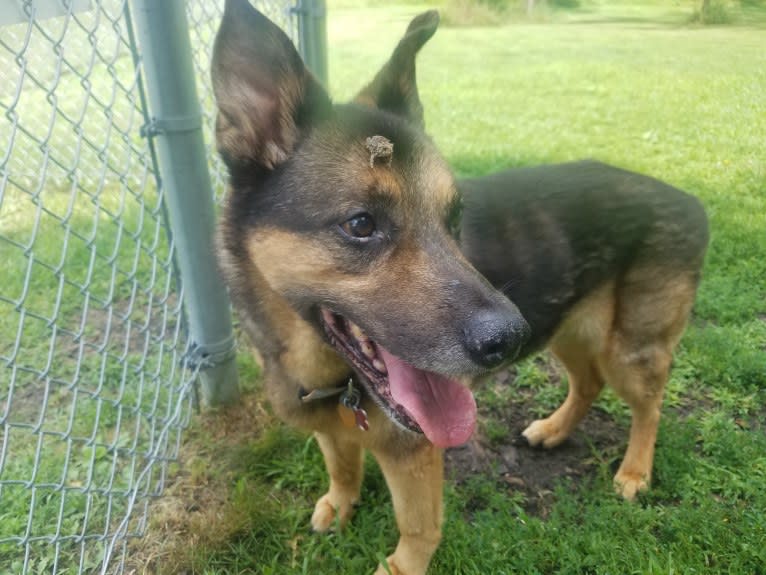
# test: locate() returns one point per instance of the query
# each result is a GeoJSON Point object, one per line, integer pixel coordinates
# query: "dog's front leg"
{"type": "Point", "coordinates": [416, 484]}
{"type": "Point", "coordinates": [343, 459]}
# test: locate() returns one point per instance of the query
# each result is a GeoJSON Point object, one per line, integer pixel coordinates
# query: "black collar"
{"type": "Point", "coordinates": [307, 396]}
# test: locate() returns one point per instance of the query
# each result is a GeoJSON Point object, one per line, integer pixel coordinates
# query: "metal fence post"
{"type": "Point", "coordinates": [312, 35]}
{"type": "Point", "coordinates": [176, 126]}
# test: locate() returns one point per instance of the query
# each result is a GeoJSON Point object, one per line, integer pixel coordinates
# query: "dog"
{"type": "Point", "coordinates": [375, 286]}
{"type": "Point", "coordinates": [604, 265]}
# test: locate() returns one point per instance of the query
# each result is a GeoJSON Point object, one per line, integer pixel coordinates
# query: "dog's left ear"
{"type": "Point", "coordinates": [394, 88]}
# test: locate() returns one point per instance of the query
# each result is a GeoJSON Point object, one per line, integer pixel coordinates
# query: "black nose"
{"type": "Point", "coordinates": [492, 338]}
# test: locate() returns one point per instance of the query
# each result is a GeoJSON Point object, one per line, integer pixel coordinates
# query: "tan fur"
{"type": "Point", "coordinates": [243, 110]}
{"type": "Point", "coordinates": [412, 467]}
{"type": "Point", "coordinates": [304, 354]}
{"type": "Point", "coordinates": [436, 183]}
{"type": "Point", "coordinates": [291, 263]}
{"type": "Point", "coordinates": [582, 338]}
{"type": "Point", "coordinates": [416, 484]}
{"type": "Point", "coordinates": [288, 261]}
{"type": "Point", "coordinates": [623, 335]}
{"type": "Point", "coordinates": [344, 461]}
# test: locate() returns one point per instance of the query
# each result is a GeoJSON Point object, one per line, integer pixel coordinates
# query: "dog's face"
{"type": "Point", "coordinates": [347, 212]}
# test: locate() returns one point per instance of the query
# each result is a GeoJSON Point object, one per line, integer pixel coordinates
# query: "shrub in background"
{"type": "Point", "coordinates": [712, 12]}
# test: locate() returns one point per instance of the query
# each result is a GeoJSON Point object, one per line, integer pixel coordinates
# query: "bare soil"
{"type": "Point", "coordinates": [535, 471]}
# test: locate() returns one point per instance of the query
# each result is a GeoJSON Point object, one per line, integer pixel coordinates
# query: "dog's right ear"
{"type": "Point", "coordinates": [395, 88]}
{"type": "Point", "coordinates": [266, 97]}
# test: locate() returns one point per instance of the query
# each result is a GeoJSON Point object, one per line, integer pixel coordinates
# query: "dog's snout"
{"type": "Point", "coordinates": [492, 338]}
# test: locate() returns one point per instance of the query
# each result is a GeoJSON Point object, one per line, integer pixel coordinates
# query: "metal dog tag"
{"type": "Point", "coordinates": [351, 414]}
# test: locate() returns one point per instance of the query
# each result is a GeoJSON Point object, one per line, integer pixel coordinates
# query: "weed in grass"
{"type": "Point", "coordinates": [494, 430]}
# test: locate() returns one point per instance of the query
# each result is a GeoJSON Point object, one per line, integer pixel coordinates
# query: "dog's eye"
{"type": "Point", "coordinates": [360, 226]}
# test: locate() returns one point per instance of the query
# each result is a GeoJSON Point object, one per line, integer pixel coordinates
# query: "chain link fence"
{"type": "Point", "coordinates": [95, 386]}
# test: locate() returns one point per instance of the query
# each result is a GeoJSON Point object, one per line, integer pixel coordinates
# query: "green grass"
{"type": "Point", "coordinates": [629, 84]}
{"type": "Point", "coordinates": [85, 261]}
{"type": "Point", "coordinates": [684, 104]}
{"type": "Point", "coordinates": [80, 374]}
{"type": "Point", "coordinates": [704, 515]}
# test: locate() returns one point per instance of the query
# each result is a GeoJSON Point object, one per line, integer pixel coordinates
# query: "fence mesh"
{"type": "Point", "coordinates": [94, 389]}
{"type": "Point", "coordinates": [204, 17]}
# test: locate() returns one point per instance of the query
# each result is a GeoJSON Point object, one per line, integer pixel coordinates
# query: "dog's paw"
{"type": "Point", "coordinates": [329, 513]}
{"type": "Point", "coordinates": [392, 568]}
{"type": "Point", "coordinates": [630, 484]}
{"type": "Point", "coordinates": [543, 432]}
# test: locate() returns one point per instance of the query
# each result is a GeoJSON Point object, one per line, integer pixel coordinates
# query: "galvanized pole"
{"type": "Point", "coordinates": [176, 126]}
{"type": "Point", "coordinates": [312, 36]}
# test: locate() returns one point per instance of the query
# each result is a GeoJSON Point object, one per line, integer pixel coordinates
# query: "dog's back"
{"type": "Point", "coordinates": [549, 235]}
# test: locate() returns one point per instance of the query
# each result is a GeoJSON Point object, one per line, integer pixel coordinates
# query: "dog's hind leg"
{"type": "Point", "coordinates": [639, 377]}
{"type": "Point", "coordinates": [343, 459]}
{"type": "Point", "coordinates": [653, 308]}
{"type": "Point", "coordinates": [415, 480]}
{"type": "Point", "coordinates": [642, 387]}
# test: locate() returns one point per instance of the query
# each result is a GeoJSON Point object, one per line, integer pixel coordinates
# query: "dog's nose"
{"type": "Point", "coordinates": [492, 338]}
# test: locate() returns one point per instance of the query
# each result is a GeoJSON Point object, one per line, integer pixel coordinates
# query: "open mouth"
{"type": "Point", "coordinates": [422, 401]}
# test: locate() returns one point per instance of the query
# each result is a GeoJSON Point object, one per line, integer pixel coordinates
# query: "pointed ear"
{"type": "Point", "coordinates": [395, 88]}
{"type": "Point", "coordinates": [266, 97]}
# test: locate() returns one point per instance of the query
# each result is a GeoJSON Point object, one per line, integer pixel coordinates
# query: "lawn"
{"type": "Point", "coordinates": [646, 92]}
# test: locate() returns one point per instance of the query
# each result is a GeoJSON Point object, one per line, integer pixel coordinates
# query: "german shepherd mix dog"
{"type": "Point", "coordinates": [339, 244]}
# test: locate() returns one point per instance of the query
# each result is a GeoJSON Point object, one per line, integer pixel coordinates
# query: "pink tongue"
{"type": "Point", "coordinates": [443, 408]}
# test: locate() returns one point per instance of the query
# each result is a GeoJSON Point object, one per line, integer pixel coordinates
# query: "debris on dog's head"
{"type": "Point", "coordinates": [380, 149]}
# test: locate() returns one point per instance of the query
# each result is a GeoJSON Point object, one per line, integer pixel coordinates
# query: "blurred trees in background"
{"type": "Point", "coordinates": [489, 12]}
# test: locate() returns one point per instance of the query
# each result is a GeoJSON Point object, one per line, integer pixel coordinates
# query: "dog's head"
{"type": "Point", "coordinates": [347, 211]}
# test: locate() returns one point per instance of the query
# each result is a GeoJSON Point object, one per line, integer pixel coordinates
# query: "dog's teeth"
{"type": "Point", "coordinates": [379, 365]}
{"type": "Point", "coordinates": [357, 332]}
{"type": "Point", "coordinates": [367, 349]}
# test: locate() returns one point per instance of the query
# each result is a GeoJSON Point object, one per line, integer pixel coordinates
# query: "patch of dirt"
{"type": "Point", "coordinates": [535, 471]}
{"type": "Point", "coordinates": [196, 507]}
